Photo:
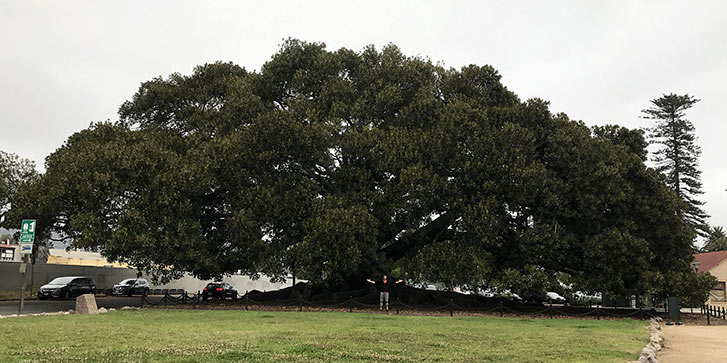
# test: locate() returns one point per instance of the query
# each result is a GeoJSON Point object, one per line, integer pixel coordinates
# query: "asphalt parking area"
{"type": "Point", "coordinates": [34, 306]}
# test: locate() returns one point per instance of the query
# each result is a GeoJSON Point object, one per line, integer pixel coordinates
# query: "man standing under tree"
{"type": "Point", "coordinates": [678, 154]}
{"type": "Point", "coordinates": [384, 286]}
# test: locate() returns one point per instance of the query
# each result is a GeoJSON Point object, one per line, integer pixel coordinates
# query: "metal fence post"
{"type": "Point", "coordinates": [247, 302]}
{"type": "Point", "coordinates": [598, 312]}
{"type": "Point", "coordinates": [641, 313]}
{"type": "Point", "coordinates": [350, 304]}
{"type": "Point", "coordinates": [707, 310]}
{"type": "Point", "coordinates": [166, 296]}
{"type": "Point", "coordinates": [451, 307]}
{"type": "Point", "coordinates": [300, 303]}
{"type": "Point", "coordinates": [142, 300]}
{"type": "Point", "coordinates": [397, 305]}
{"type": "Point", "coordinates": [501, 308]}
{"type": "Point", "coordinates": [194, 300]}
{"type": "Point", "coordinates": [550, 309]}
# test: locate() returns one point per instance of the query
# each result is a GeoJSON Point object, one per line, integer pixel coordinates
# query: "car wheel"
{"type": "Point", "coordinates": [67, 295]}
{"type": "Point", "coordinates": [41, 297]}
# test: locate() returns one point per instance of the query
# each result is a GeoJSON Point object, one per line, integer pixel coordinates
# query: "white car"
{"type": "Point", "coordinates": [554, 297]}
{"type": "Point", "coordinates": [590, 298]}
{"type": "Point", "coordinates": [511, 295]}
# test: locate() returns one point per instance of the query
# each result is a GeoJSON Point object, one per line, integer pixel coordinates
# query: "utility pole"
{"type": "Point", "coordinates": [27, 238]}
{"type": "Point", "coordinates": [23, 268]}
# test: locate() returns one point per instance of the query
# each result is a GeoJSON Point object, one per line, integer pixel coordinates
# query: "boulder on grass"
{"type": "Point", "coordinates": [86, 304]}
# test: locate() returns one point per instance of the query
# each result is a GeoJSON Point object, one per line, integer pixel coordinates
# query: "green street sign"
{"type": "Point", "coordinates": [27, 231]}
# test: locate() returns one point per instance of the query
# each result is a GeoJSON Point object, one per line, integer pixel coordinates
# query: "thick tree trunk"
{"type": "Point", "coordinates": [434, 231]}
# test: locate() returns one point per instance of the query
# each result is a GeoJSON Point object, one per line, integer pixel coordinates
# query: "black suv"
{"type": "Point", "coordinates": [220, 290]}
{"type": "Point", "coordinates": [67, 287]}
{"type": "Point", "coordinates": [130, 287]}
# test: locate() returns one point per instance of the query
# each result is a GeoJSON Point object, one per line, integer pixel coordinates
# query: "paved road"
{"type": "Point", "coordinates": [49, 306]}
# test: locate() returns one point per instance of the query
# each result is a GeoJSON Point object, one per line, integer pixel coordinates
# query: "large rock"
{"type": "Point", "coordinates": [86, 304]}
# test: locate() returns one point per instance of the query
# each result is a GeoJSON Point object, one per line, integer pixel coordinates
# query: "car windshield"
{"type": "Point", "coordinates": [61, 281]}
{"type": "Point", "coordinates": [127, 282]}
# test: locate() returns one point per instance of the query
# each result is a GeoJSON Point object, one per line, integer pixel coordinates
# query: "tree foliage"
{"type": "Point", "coordinates": [678, 154]}
{"type": "Point", "coordinates": [341, 165]}
{"type": "Point", "coordinates": [17, 176]}
{"type": "Point", "coordinates": [14, 172]}
{"type": "Point", "coordinates": [716, 241]}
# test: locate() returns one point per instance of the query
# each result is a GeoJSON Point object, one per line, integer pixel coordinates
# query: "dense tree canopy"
{"type": "Point", "coordinates": [339, 165]}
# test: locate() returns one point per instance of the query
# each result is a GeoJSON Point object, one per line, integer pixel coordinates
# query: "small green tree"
{"type": "Point", "coordinates": [691, 288]}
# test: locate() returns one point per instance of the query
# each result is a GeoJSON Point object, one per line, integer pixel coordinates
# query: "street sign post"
{"type": "Point", "coordinates": [27, 238]}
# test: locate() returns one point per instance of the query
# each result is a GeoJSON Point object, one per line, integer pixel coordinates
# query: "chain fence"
{"type": "Point", "coordinates": [245, 302]}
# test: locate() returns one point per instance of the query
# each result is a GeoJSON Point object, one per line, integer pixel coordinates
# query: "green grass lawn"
{"type": "Point", "coordinates": [223, 336]}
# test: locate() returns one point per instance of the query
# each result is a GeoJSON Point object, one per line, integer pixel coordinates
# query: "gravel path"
{"type": "Point", "coordinates": [686, 344]}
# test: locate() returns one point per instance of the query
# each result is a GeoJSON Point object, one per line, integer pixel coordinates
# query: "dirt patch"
{"type": "Point", "coordinates": [686, 344]}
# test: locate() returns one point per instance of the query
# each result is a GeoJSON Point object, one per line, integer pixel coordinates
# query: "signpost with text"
{"type": "Point", "coordinates": [27, 232]}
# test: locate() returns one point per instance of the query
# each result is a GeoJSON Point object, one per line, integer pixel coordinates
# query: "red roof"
{"type": "Point", "coordinates": [709, 259]}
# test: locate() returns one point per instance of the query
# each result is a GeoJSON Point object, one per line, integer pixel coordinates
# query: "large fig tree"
{"type": "Point", "coordinates": [337, 165]}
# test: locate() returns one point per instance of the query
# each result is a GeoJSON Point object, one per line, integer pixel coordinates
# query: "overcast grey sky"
{"type": "Point", "coordinates": [66, 64]}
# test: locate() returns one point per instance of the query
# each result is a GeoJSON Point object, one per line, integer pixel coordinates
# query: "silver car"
{"type": "Point", "coordinates": [130, 287]}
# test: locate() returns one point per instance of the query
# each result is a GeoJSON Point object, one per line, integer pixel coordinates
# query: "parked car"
{"type": "Point", "coordinates": [130, 287]}
{"type": "Point", "coordinates": [504, 294]}
{"type": "Point", "coordinates": [220, 290]}
{"type": "Point", "coordinates": [554, 297]}
{"type": "Point", "coordinates": [67, 287]}
{"type": "Point", "coordinates": [507, 294]}
{"type": "Point", "coordinates": [588, 299]}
